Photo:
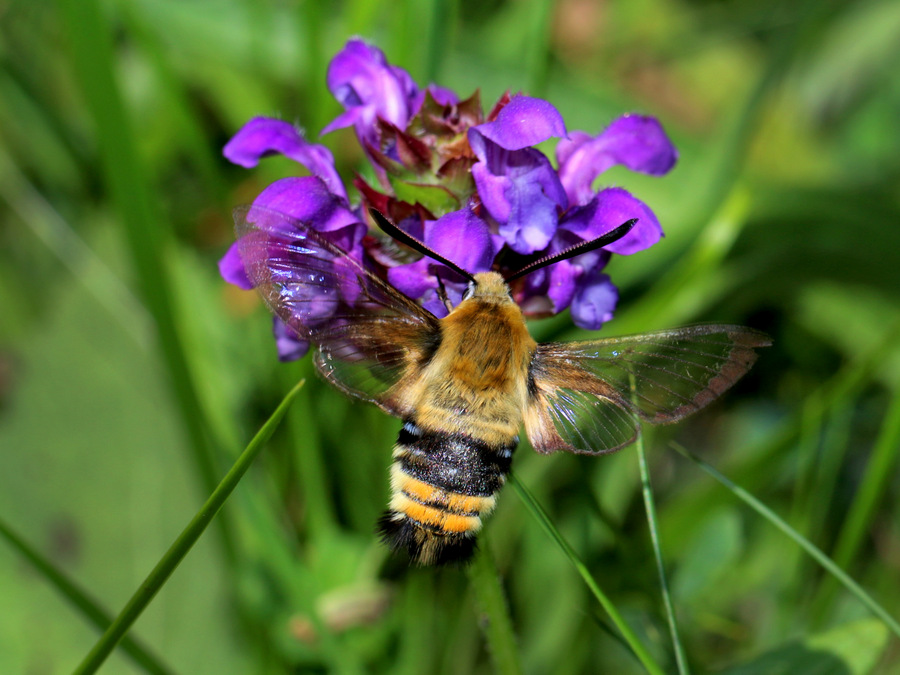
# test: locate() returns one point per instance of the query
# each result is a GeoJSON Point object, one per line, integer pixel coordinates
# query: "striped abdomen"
{"type": "Point", "coordinates": [443, 484]}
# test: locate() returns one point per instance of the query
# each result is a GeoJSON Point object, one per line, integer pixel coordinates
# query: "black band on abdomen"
{"type": "Point", "coordinates": [453, 462]}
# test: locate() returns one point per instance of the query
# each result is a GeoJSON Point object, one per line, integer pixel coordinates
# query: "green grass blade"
{"type": "Point", "coordinates": [93, 63]}
{"type": "Point", "coordinates": [755, 462]}
{"type": "Point", "coordinates": [734, 147]}
{"type": "Point", "coordinates": [540, 515]}
{"type": "Point", "coordinates": [56, 233]}
{"type": "Point", "coordinates": [800, 540]}
{"type": "Point", "coordinates": [197, 148]}
{"type": "Point", "coordinates": [185, 541]}
{"type": "Point", "coordinates": [498, 628]}
{"type": "Point", "coordinates": [306, 439]}
{"type": "Point", "coordinates": [537, 56]}
{"type": "Point", "coordinates": [317, 105]}
{"type": "Point", "coordinates": [650, 508]}
{"type": "Point", "coordinates": [89, 607]}
{"type": "Point", "coordinates": [879, 472]}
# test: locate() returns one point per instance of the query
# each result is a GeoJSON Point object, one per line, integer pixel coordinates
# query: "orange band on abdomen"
{"type": "Point", "coordinates": [429, 494]}
{"type": "Point", "coordinates": [434, 517]}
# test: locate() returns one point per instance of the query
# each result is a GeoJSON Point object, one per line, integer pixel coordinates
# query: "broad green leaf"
{"type": "Point", "coordinates": [851, 649]}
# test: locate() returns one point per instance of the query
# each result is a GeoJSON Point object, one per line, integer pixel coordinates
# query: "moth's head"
{"type": "Point", "coordinates": [491, 284]}
{"type": "Point", "coordinates": [488, 286]}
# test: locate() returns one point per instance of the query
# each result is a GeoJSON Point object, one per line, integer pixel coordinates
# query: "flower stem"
{"type": "Point", "coordinates": [185, 541]}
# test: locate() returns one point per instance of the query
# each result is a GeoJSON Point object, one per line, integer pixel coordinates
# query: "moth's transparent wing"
{"type": "Point", "coordinates": [366, 333]}
{"type": "Point", "coordinates": [587, 395]}
{"type": "Point", "coordinates": [560, 418]}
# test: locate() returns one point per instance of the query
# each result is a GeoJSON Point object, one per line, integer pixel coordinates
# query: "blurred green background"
{"type": "Point", "coordinates": [131, 376]}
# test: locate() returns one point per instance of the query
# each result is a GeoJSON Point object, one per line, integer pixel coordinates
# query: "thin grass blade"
{"type": "Point", "coordinates": [89, 607]}
{"type": "Point", "coordinates": [132, 196]}
{"type": "Point", "coordinates": [813, 551]}
{"type": "Point", "coordinates": [650, 508]}
{"type": "Point", "coordinates": [185, 541]}
{"type": "Point", "coordinates": [491, 600]}
{"type": "Point", "coordinates": [879, 472]}
{"type": "Point", "coordinates": [640, 651]}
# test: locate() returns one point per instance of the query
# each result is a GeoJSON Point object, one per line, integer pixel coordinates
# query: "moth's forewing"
{"type": "Point", "coordinates": [585, 391]}
{"type": "Point", "coordinates": [367, 335]}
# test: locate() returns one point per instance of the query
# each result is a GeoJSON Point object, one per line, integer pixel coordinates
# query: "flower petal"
{"type": "Point", "coordinates": [492, 190]}
{"type": "Point", "coordinates": [418, 282]}
{"type": "Point", "coordinates": [361, 115]}
{"type": "Point", "coordinates": [435, 304]}
{"type": "Point", "coordinates": [307, 199]}
{"type": "Point", "coordinates": [463, 238]}
{"type": "Point", "coordinates": [413, 279]}
{"type": "Point", "coordinates": [521, 191]}
{"type": "Point", "coordinates": [594, 301]}
{"type": "Point", "coordinates": [606, 211]}
{"type": "Point", "coordinates": [263, 136]}
{"type": "Point", "coordinates": [231, 267]}
{"type": "Point", "coordinates": [549, 290]}
{"type": "Point", "coordinates": [359, 76]}
{"type": "Point", "coordinates": [636, 141]}
{"type": "Point", "coordinates": [523, 122]}
{"type": "Point", "coordinates": [561, 286]}
{"type": "Point", "coordinates": [289, 346]}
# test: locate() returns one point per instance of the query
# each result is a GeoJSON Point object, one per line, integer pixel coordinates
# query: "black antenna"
{"type": "Point", "coordinates": [404, 238]}
{"type": "Point", "coordinates": [577, 249]}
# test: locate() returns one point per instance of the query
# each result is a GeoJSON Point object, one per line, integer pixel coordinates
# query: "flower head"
{"type": "Point", "coordinates": [472, 186]}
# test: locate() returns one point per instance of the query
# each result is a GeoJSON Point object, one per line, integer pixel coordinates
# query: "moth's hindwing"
{"type": "Point", "coordinates": [585, 396]}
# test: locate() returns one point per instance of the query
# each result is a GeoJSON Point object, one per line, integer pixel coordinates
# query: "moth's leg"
{"type": "Point", "coordinates": [442, 293]}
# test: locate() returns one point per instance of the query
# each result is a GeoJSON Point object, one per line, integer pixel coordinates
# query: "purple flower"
{"type": "Point", "coordinates": [594, 300]}
{"type": "Point", "coordinates": [264, 136]}
{"type": "Point", "coordinates": [231, 267]}
{"type": "Point", "coordinates": [461, 237]}
{"type": "Point", "coordinates": [309, 200]}
{"type": "Point", "coordinates": [473, 187]}
{"type": "Point", "coordinates": [289, 345]}
{"type": "Point", "coordinates": [369, 88]}
{"type": "Point", "coordinates": [607, 210]}
{"type": "Point", "coordinates": [549, 290]}
{"type": "Point", "coordinates": [635, 141]}
{"type": "Point", "coordinates": [279, 245]}
{"type": "Point", "coordinates": [516, 183]}
{"type": "Point", "coordinates": [521, 123]}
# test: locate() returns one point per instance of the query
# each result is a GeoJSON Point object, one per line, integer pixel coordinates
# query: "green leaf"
{"type": "Point", "coordinates": [713, 547]}
{"type": "Point", "coordinates": [435, 198]}
{"type": "Point", "coordinates": [814, 552]}
{"type": "Point", "coordinates": [851, 649]}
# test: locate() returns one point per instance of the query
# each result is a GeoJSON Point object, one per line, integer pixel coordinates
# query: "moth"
{"type": "Point", "coordinates": [465, 384]}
